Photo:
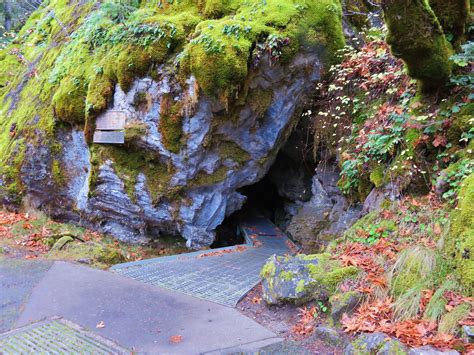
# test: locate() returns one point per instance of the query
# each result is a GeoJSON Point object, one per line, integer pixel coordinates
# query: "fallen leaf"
{"type": "Point", "coordinates": [100, 325]}
{"type": "Point", "coordinates": [175, 339]}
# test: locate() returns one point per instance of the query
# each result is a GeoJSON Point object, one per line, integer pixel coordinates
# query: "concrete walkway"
{"type": "Point", "coordinates": [136, 316]}
{"type": "Point", "coordinates": [59, 305]}
{"type": "Point", "coordinates": [222, 275]}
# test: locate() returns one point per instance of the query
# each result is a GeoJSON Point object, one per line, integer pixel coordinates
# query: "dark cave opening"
{"type": "Point", "coordinates": [282, 190]}
{"type": "Point", "coordinates": [262, 200]}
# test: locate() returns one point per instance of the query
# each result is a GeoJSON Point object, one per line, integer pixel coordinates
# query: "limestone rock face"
{"type": "Point", "coordinates": [218, 156]}
{"type": "Point", "coordinates": [326, 215]}
{"type": "Point", "coordinates": [210, 92]}
{"type": "Point", "coordinates": [302, 278]}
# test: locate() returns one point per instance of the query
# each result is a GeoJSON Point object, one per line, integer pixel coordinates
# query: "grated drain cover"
{"type": "Point", "coordinates": [56, 336]}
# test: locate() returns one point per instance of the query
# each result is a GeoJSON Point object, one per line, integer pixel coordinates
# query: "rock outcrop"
{"type": "Point", "coordinates": [202, 121]}
{"type": "Point", "coordinates": [326, 215]}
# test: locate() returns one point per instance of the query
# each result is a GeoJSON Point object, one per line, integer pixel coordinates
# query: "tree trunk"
{"type": "Point", "coordinates": [415, 36]}
{"type": "Point", "coordinates": [452, 15]}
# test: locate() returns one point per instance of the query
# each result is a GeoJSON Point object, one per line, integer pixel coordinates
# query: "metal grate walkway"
{"type": "Point", "coordinates": [56, 336]}
{"type": "Point", "coordinates": [222, 275]}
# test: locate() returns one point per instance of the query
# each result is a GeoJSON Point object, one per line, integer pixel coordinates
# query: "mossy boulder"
{"type": "Point", "coordinates": [375, 343]}
{"type": "Point", "coordinates": [302, 278]}
{"type": "Point", "coordinates": [459, 244]}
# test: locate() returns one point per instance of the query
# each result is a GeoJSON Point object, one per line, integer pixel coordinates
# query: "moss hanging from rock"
{"type": "Point", "coordinates": [415, 35]}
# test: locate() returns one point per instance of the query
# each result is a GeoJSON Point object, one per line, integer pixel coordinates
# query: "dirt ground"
{"type": "Point", "coordinates": [283, 319]}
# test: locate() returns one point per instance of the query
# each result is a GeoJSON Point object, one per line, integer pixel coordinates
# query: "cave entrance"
{"type": "Point", "coordinates": [281, 191]}
{"type": "Point", "coordinates": [262, 200]}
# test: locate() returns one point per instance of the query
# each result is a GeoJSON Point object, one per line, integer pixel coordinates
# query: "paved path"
{"type": "Point", "coordinates": [138, 316]}
{"type": "Point", "coordinates": [59, 304]}
{"type": "Point", "coordinates": [17, 279]}
{"type": "Point", "coordinates": [221, 275]}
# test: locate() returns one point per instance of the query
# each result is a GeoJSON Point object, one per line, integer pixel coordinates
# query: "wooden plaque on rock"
{"type": "Point", "coordinates": [111, 121]}
{"type": "Point", "coordinates": [112, 137]}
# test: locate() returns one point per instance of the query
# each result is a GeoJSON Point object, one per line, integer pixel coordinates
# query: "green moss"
{"type": "Point", "coordinates": [377, 176]}
{"type": "Point", "coordinates": [231, 150]}
{"type": "Point", "coordinates": [170, 124]}
{"type": "Point", "coordinates": [260, 100]}
{"type": "Point", "coordinates": [205, 179]}
{"type": "Point", "coordinates": [426, 53]}
{"type": "Point", "coordinates": [362, 223]}
{"type": "Point", "coordinates": [57, 173]}
{"type": "Point", "coordinates": [459, 244]}
{"type": "Point", "coordinates": [287, 275]}
{"type": "Point", "coordinates": [329, 273]}
{"type": "Point", "coordinates": [134, 131]}
{"type": "Point", "coordinates": [99, 94]}
{"type": "Point", "coordinates": [69, 100]}
{"type": "Point", "coordinates": [364, 188]}
{"type": "Point", "coordinates": [268, 270]}
{"type": "Point", "coordinates": [110, 256]}
{"type": "Point", "coordinates": [65, 67]}
{"type": "Point", "coordinates": [300, 286]}
{"type": "Point", "coordinates": [127, 164]}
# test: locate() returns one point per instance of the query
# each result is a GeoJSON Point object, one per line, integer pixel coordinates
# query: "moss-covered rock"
{"type": "Point", "coordinates": [110, 256]}
{"type": "Point", "coordinates": [302, 278]}
{"type": "Point", "coordinates": [375, 343]}
{"type": "Point", "coordinates": [426, 52]}
{"type": "Point", "coordinates": [459, 244]}
{"type": "Point", "coordinates": [345, 302]}
{"type": "Point", "coordinates": [200, 64]}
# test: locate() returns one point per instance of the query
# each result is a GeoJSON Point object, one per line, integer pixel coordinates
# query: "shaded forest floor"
{"type": "Point", "coordinates": [34, 236]}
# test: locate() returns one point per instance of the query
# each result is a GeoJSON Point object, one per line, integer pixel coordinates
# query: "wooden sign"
{"type": "Point", "coordinates": [109, 137]}
{"type": "Point", "coordinates": [111, 121]}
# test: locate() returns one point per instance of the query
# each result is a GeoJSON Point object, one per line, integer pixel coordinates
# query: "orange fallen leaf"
{"type": "Point", "coordinates": [257, 300]}
{"type": "Point", "coordinates": [27, 226]}
{"type": "Point", "coordinates": [175, 339]}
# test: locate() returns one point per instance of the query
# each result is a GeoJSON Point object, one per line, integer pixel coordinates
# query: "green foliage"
{"type": "Point", "coordinates": [372, 233]}
{"type": "Point", "coordinates": [455, 177]}
{"type": "Point", "coordinates": [464, 59]}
